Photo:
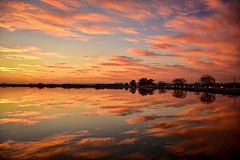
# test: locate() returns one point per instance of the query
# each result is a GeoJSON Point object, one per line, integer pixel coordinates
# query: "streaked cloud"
{"type": "Point", "coordinates": [135, 41]}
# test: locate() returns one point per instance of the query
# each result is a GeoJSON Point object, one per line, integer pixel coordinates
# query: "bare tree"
{"type": "Point", "coordinates": [179, 81]}
{"type": "Point", "coordinates": [207, 80]}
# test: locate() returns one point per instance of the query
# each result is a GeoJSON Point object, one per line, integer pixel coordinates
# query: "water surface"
{"type": "Point", "coordinates": [117, 124]}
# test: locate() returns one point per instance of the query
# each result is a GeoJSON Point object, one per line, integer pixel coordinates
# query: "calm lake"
{"type": "Point", "coordinates": [117, 124]}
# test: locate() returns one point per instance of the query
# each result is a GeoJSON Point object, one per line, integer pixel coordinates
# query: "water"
{"type": "Point", "coordinates": [117, 124]}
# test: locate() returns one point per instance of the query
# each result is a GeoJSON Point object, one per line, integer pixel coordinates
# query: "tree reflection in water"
{"type": "Point", "coordinates": [162, 91]}
{"type": "Point", "coordinates": [207, 98]}
{"type": "Point", "coordinates": [179, 94]}
{"type": "Point", "coordinates": [133, 90]}
{"type": "Point", "coordinates": [146, 91]}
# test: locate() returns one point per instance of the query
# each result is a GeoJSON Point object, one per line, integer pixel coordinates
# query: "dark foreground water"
{"type": "Point", "coordinates": [117, 124]}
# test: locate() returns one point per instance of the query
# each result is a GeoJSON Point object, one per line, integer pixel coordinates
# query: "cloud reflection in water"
{"type": "Point", "coordinates": [175, 124]}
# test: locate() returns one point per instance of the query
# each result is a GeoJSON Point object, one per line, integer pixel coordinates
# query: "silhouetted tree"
{"type": "Point", "coordinates": [207, 98]}
{"type": "Point", "coordinates": [150, 81]}
{"type": "Point", "coordinates": [162, 83]}
{"type": "Point", "coordinates": [133, 83]}
{"type": "Point", "coordinates": [179, 93]}
{"type": "Point", "coordinates": [179, 81]}
{"type": "Point", "coordinates": [126, 84]}
{"type": "Point", "coordinates": [207, 80]}
{"type": "Point", "coordinates": [143, 81]}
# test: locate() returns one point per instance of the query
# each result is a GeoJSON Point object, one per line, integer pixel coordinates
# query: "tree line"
{"type": "Point", "coordinates": [206, 80]}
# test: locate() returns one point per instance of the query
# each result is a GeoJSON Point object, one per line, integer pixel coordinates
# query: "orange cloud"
{"type": "Point", "coordinates": [60, 4]}
{"type": "Point", "coordinates": [62, 144]}
{"type": "Point", "coordinates": [43, 104]}
{"type": "Point", "coordinates": [35, 53]}
{"type": "Point", "coordinates": [128, 30]}
{"type": "Point", "coordinates": [29, 17]}
{"type": "Point", "coordinates": [149, 54]}
{"type": "Point", "coordinates": [96, 29]}
{"type": "Point", "coordinates": [22, 56]}
{"type": "Point", "coordinates": [15, 120]}
{"type": "Point", "coordinates": [25, 114]}
{"type": "Point", "coordinates": [133, 131]}
{"type": "Point", "coordinates": [23, 49]}
{"type": "Point", "coordinates": [128, 9]}
{"type": "Point", "coordinates": [40, 117]}
{"type": "Point", "coordinates": [96, 142]}
{"type": "Point", "coordinates": [78, 98]}
{"type": "Point", "coordinates": [42, 148]}
{"type": "Point", "coordinates": [7, 69]}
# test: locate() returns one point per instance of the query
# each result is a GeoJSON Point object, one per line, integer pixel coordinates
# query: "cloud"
{"type": "Point", "coordinates": [25, 114]}
{"type": "Point", "coordinates": [96, 29]}
{"type": "Point", "coordinates": [147, 118]}
{"type": "Point", "coordinates": [128, 9]}
{"type": "Point", "coordinates": [128, 30]}
{"type": "Point", "coordinates": [9, 69]}
{"type": "Point", "coordinates": [16, 120]}
{"type": "Point", "coordinates": [133, 131]}
{"type": "Point", "coordinates": [78, 98]}
{"type": "Point", "coordinates": [43, 148]}
{"type": "Point", "coordinates": [142, 52]}
{"type": "Point", "coordinates": [34, 53]}
{"type": "Point", "coordinates": [23, 16]}
{"type": "Point", "coordinates": [19, 49]}
{"type": "Point", "coordinates": [22, 56]}
{"type": "Point", "coordinates": [209, 40]}
{"type": "Point", "coordinates": [135, 41]}
{"type": "Point", "coordinates": [93, 17]}
{"type": "Point", "coordinates": [52, 66]}
{"type": "Point", "coordinates": [114, 112]}
{"type": "Point", "coordinates": [63, 144]}
{"type": "Point", "coordinates": [163, 46]}
{"type": "Point", "coordinates": [61, 4]}
{"type": "Point", "coordinates": [96, 142]}
{"type": "Point", "coordinates": [44, 104]}
{"type": "Point", "coordinates": [149, 54]}
{"type": "Point", "coordinates": [50, 116]}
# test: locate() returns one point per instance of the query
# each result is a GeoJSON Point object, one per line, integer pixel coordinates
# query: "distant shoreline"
{"type": "Point", "coordinates": [216, 90]}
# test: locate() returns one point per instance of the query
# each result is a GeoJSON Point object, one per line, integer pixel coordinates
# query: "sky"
{"type": "Point", "coordinates": [108, 41]}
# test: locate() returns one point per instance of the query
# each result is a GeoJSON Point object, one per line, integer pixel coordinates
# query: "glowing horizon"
{"type": "Point", "coordinates": [107, 41]}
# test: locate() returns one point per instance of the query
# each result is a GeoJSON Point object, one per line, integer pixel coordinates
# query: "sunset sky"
{"type": "Point", "coordinates": [101, 41]}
